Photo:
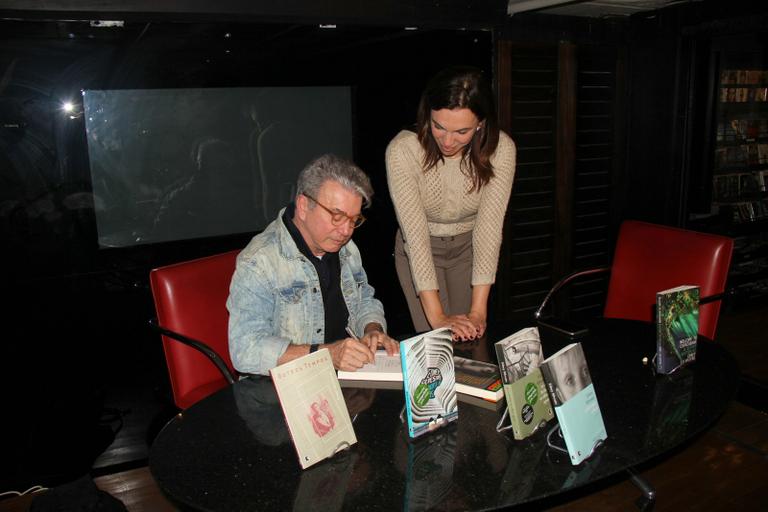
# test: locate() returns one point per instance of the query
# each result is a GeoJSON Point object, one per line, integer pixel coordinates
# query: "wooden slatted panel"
{"type": "Point", "coordinates": [525, 266]}
{"type": "Point", "coordinates": [594, 165]}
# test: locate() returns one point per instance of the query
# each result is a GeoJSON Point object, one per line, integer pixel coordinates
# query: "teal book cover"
{"type": "Point", "coordinates": [429, 381]}
{"type": "Point", "coordinates": [677, 327]}
{"type": "Point", "coordinates": [570, 388]}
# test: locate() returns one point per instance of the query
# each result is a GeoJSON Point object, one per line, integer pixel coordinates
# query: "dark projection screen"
{"type": "Point", "coordinates": [174, 164]}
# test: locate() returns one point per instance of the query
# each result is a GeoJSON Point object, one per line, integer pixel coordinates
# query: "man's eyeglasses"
{"type": "Point", "coordinates": [337, 217]}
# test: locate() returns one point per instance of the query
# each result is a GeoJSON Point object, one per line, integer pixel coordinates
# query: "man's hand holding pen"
{"type": "Point", "coordinates": [352, 353]}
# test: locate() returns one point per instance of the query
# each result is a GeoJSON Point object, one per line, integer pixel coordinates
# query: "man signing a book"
{"type": "Point", "coordinates": [300, 284]}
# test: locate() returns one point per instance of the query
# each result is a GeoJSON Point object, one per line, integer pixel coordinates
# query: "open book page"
{"type": "Point", "coordinates": [385, 368]}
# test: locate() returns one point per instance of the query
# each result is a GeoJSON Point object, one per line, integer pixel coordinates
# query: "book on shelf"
{"type": "Point", "coordinates": [429, 381]}
{"type": "Point", "coordinates": [677, 327]}
{"type": "Point", "coordinates": [528, 403]}
{"type": "Point", "coordinates": [384, 368]}
{"type": "Point", "coordinates": [313, 406]}
{"type": "Point", "coordinates": [748, 183]}
{"type": "Point", "coordinates": [762, 157]}
{"type": "Point", "coordinates": [478, 378]}
{"type": "Point", "coordinates": [726, 187]}
{"type": "Point", "coordinates": [573, 396]}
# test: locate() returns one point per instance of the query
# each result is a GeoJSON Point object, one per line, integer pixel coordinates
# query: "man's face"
{"type": "Point", "coordinates": [315, 222]}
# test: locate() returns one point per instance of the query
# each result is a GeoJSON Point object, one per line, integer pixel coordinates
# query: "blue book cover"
{"type": "Point", "coordinates": [677, 327]}
{"type": "Point", "coordinates": [571, 390]}
{"type": "Point", "coordinates": [429, 381]}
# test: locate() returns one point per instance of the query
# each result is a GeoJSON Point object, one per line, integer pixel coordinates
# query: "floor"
{"type": "Point", "coordinates": [724, 469]}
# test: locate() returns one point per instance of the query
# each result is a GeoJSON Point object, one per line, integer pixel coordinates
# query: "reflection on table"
{"type": "Point", "coordinates": [232, 451]}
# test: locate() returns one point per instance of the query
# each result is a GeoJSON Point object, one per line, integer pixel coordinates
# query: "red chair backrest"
{"type": "Point", "coordinates": [650, 258]}
{"type": "Point", "coordinates": [190, 299]}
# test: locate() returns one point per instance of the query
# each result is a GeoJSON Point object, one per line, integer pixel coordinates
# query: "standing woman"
{"type": "Point", "coordinates": [450, 183]}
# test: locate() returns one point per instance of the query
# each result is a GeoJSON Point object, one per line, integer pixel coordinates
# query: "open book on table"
{"type": "Point", "coordinates": [476, 378]}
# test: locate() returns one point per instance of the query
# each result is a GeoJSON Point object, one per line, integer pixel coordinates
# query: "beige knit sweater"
{"type": "Point", "coordinates": [437, 203]}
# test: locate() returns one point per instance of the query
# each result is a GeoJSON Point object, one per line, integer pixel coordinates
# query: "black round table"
{"type": "Point", "coordinates": [232, 451]}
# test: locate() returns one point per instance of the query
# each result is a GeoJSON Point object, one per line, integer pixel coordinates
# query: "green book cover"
{"type": "Point", "coordinates": [677, 327]}
{"type": "Point", "coordinates": [528, 403]}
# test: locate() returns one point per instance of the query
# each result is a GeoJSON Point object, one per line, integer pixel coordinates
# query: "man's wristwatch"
{"type": "Point", "coordinates": [313, 347]}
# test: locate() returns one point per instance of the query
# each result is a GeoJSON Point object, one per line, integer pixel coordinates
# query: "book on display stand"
{"type": "Point", "coordinates": [313, 406]}
{"type": "Point", "coordinates": [429, 382]}
{"type": "Point", "coordinates": [572, 393]}
{"type": "Point", "coordinates": [528, 404]}
{"type": "Point", "coordinates": [677, 327]}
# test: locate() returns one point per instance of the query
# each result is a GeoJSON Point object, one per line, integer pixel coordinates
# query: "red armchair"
{"type": "Point", "coordinates": [649, 258]}
{"type": "Point", "coordinates": [190, 302]}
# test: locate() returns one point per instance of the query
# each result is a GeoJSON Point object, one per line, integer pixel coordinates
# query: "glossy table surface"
{"type": "Point", "coordinates": [232, 451]}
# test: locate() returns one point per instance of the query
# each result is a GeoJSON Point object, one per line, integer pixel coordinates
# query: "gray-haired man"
{"type": "Point", "coordinates": [300, 283]}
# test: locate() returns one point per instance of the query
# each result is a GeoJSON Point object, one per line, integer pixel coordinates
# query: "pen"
{"type": "Point", "coordinates": [351, 333]}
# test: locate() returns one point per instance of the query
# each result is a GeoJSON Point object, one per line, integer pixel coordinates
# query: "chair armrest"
{"type": "Point", "coordinates": [712, 298]}
{"type": "Point", "coordinates": [197, 345]}
{"type": "Point", "coordinates": [564, 281]}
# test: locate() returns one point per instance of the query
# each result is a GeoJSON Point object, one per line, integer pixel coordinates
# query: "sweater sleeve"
{"type": "Point", "coordinates": [487, 234]}
{"type": "Point", "coordinates": [403, 168]}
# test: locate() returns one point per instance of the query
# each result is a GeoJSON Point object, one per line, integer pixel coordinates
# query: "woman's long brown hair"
{"type": "Point", "coordinates": [461, 87]}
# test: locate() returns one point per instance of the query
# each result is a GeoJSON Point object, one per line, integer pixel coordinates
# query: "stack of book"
{"type": "Point", "coordinates": [474, 378]}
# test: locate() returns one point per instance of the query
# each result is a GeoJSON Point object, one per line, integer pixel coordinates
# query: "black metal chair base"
{"type": "Point", "coordinates": [647, 501]}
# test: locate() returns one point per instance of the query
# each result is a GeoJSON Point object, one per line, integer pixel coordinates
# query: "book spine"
{"type": "Point", "coordinates": [659, 333]}
{"type": "Point", "coordinates": [404, 349]}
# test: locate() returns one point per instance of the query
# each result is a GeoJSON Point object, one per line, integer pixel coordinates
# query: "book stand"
{"type": "Point", "coordinates": [551, 444]}
{"type": "Point", "coordinates": [500, 427]}
{"type": "Point", "coordinates": [655, 370]}
{"type": "Point", "coordinates": [342, 446]}
{"type": "Point", "coordinates": [433, 425]}
{"type": "Point", "coordinates": [556, 428]}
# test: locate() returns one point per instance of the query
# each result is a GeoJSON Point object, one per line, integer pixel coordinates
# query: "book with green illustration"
{"type": "Point", "coordinates": [429, 381]}
{"type": "Point", "coordinates": [528, 403]}
{"type": "Point", "coordinates": [677, 327]}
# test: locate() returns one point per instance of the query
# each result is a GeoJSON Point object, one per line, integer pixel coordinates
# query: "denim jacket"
{"type": "Point", "coordinates": [275, 299]}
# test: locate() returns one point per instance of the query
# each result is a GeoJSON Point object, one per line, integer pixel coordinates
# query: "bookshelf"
{"type": "Point", "coordinates": [740, 173]}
